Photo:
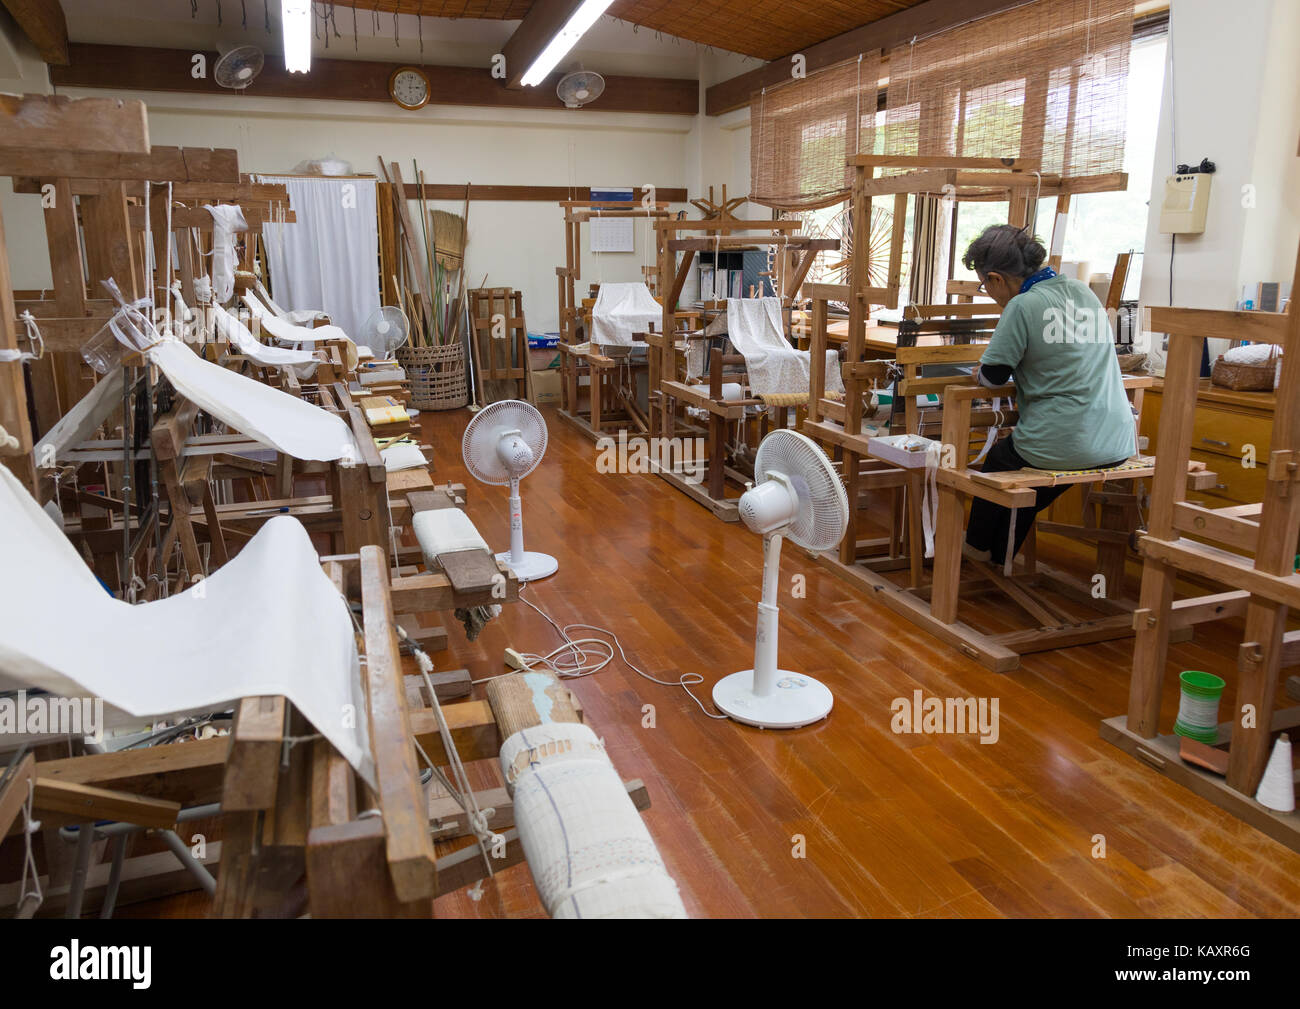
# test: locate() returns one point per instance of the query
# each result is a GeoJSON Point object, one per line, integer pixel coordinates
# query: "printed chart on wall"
{"type": "Point", "coordinates": [615, 234]}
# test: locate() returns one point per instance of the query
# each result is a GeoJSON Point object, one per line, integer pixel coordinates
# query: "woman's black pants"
{"type": "Point", "coordinates": [989, 524]}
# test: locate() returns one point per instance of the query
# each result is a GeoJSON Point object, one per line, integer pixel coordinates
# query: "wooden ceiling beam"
{"type": "Point", "coordinates": [542, 23]}
{"type": "Point", "coordinates": [140, 68]}
{"type": "Point", "coordinates": [43, 22]}
{"type": "Point", "coordinates": [919, 21]}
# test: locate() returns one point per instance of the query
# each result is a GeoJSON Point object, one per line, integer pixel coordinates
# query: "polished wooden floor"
{"type": "Point", "coordinates": [893, 825]}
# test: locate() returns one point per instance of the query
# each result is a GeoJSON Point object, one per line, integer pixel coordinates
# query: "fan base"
{"type": "Point", "coordinates": [534, 565]}
{"type": "Point", "coordinates": [797, 700]}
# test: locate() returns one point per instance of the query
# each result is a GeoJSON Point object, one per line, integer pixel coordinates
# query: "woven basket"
{"type": "Point", "coordinates": [1245, 377]}
{"type": "Point", "coordinates": [437, 376]}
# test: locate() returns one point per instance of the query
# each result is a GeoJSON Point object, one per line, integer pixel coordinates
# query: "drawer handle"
{"type": "Point", "coordinates": [1220, 486]}
{"type": "Point", "coordinates": [1211, 441]}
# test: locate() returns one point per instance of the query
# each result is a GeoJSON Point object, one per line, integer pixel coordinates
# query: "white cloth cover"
{"type": "Point", "coordinates": [620, 311]}
{"type": "Point", "coordinates": [327, 259]}
{"type": "Point", "coordinates": [269, 622]}
{"type": "Point", "coordinates": [274, 418]}
{"type": "Point", "coordinates": [587, 847]}
{"type": "Point", "coordinates": [755, 329]}
{"type": "Point", "coordinates": [403, 455]}
{"type": "Point", "coordinates": [227, 218]}
{"type": "Point", "coordinates": [444, 531]}
{"type": "Point", "coordinates": [237, 334]}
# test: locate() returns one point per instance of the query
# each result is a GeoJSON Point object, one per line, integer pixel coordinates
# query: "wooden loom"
{"type": "Point", "coordinates": [1249, 549]}
{"type": "Point", "coordinates": [611, 404]}
{"type": "Point", "coordinates": [841, 425]}
{"type": "Point", "coordinates": [672, 390]}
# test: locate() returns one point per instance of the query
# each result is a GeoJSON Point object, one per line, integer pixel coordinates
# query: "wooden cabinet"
{"type": "Point", "coordinates": [1225, 425]}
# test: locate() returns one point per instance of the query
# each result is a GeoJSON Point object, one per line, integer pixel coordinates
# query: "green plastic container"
{"type": "Point", "coordinates": [1203, 687]}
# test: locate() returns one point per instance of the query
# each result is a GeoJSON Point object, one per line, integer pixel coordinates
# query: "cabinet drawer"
{"type": "Point", "coordinates": [1234, 483]}
{"type": "Point", "coordinates": [1224, 432]}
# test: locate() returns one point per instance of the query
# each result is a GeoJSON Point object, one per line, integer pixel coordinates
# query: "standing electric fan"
{"type": "Point", "coordinates": [384, 330]}
{"type": "Point", "coordinates": [796, 495]}
{"type": "Point", "coordinates": [503, 443]}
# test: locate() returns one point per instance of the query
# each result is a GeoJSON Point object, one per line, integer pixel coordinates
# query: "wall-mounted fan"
{"type": "Point", "coordinates": [238, 66]}
{"type": "Point", "coordinates": [384, 330]}
{"type": "Point", "coordinates": [580, 87]}
{"type": "Point", "coordinates": [796, 495]}
{"type": "Point", "coordinates": [503, 443]}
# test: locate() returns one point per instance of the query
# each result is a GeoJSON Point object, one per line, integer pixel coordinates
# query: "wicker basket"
{"type": "Point", "coordinates": [437, 376]}
{"type": "Point", "coordinates": [1245, 377]}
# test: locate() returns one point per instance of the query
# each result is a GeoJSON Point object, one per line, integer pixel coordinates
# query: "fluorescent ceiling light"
{"type": "Point", "coordinates": [295, 22]}
{"type": "Point", "coordinates": [565, 39]}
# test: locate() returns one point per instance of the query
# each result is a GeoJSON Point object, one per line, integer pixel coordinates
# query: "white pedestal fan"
{"type": "Point", "coordinates": [799, 496]}
{"type": "Point", "coordinates": [503, 443]}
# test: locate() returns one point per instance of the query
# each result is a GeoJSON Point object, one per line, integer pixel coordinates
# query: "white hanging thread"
{"type": "Point", "coordinates": [34, 338]}
{"type": "Point", "coordinates": [34, 896]}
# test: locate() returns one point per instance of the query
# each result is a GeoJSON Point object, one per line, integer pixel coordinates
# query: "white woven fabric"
{"type": "Point", "coordinates": [755, 329]}
{"type": "Point", "coordinates": [274, 418]}
{"type": "Point", "coordinates": [587, 847]}
{"type": "Point", "coordinates": [622, 310]}
{"type": "Point", "coordinates": [238, 336]}
{"type": "Point", "coordinates": [444, 531]}
{"type": "Point", "coordinates": [287, 332]}
{"type": "Point", "coordinates": [267, 623]}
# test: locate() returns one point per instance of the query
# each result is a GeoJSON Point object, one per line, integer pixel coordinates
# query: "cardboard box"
{"type": "Point", "coordinates": [546, 386]}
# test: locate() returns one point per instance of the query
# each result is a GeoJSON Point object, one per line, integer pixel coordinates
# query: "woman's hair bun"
{"type": "Point", "coordinates": [1005, 249]}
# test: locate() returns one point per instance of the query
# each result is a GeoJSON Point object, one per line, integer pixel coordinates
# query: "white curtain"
{"type": "Point", "coordinates": [329, 259]}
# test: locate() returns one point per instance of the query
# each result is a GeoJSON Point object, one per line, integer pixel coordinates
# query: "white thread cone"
{"type": "Point", "coordinates": [1277, 787]}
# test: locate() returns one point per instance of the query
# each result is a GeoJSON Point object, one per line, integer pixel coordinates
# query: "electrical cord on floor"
{"type": "Point", "coordinates": [572, 660]}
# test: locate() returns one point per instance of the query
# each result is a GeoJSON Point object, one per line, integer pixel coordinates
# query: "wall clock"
{"type": "Point", "coordinates": [409, 87]}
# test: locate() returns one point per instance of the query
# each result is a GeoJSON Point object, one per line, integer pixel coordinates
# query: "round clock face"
{"type": "Point", "coordinates": [409, 88]}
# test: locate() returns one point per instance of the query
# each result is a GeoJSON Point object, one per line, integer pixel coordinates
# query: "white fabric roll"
{"type": "Point", "coordinates": [444, 531]}
{"type": "Point", "coordinates": [269, 622]}
{"type": "Point", "coordinates": [587, 847]}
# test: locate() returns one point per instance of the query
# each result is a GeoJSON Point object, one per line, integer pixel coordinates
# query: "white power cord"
{"type": "Point", "coordinates": [572, 660]}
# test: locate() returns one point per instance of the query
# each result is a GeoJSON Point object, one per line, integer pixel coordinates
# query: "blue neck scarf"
{"type": "Point", "coordinates": [1046, 273]}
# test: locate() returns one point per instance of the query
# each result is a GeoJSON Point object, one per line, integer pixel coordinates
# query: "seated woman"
{"type": "Point", "coordinates": [1055, 338]}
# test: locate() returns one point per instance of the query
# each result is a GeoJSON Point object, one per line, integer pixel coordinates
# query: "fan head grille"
{"type": "Point", "coordinates": [385, 329]}
{"type": "Point", "coordinates": [823, 512]}
{"type": "Point", "coordinates": [479, 447]}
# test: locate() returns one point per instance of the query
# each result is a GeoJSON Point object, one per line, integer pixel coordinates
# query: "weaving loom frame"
{"type": "Point", "coordinates": [670, 392]}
